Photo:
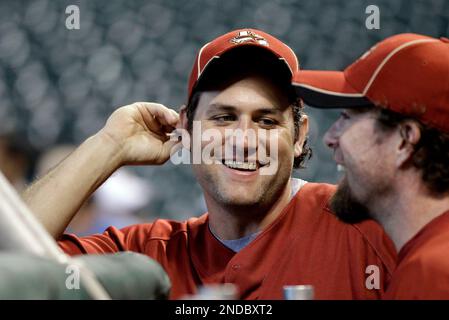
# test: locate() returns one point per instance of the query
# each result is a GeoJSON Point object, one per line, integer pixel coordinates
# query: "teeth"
{"type": "Point", "coordinates": [240, 165]}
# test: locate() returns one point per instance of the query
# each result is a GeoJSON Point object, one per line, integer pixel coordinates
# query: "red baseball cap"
{"type": "Point", "coordinates": [406, 73]}
{"type": "Point", "coordinates": [238, 38]}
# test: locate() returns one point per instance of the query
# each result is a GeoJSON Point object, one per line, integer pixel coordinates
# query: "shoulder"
{"type": "Point", "coordinates": [320, 189]}
{"type": "Point", "coordinates": [430, 258]}
{"type": "Point", "coordinates": [422, 275]}
{"type": "Point", "coordinates": [165, 229]}
{"type": "Point", "coordinates": [316, 194]}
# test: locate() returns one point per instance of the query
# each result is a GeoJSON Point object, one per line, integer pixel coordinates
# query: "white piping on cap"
{"type": "Point", "coordinates": [289, 68]}
{"type": "Point", "coordinates": [199, 60]}
{"type": "Point", "coordinates": [296, 58]}
{"type": "Point", "coordinates": [205, 66]}
{"type": "Point", "coordinates": [390, 55]}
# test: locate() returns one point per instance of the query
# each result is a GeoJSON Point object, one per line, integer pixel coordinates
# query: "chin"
{"type": "Point", "coordinates": [244, 198]}
{"type": "Point", "coordinates": [346, 206]}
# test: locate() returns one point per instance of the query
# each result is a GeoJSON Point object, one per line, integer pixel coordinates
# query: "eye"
{"type": "Point", "coordinates": [223, 118]}
{"type": "Point", "coordinates": [344, 115]}
{"type": "Point", "coordinates": [267, 122]}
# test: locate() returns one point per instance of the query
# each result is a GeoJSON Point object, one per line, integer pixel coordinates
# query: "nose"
{"type": "Point", "coordinates": [331, 137]}
{"type": "Point", "coordinates": [247, 129]}
{"type": "Point", "coordinates": [244, 138]}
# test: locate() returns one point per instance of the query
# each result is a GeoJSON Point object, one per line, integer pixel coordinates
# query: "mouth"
{"type": "Point", "coordinates": [338, 158]}
{"type": "Point", "coordinates": [250, 166]}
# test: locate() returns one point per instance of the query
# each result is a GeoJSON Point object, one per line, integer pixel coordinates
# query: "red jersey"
{"type": "Point", "coordinates": [306, 244]}
{"type": "Point", "coordinates": [423, 268]}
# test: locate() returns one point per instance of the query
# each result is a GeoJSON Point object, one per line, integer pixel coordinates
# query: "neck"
{"type": "Point", "coordinates": [237, 222]}
{"type": "Point", "coordinates": [405, 213]}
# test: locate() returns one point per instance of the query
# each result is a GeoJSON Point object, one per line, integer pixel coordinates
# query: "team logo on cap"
{"type": "Point", "coordinates": [249, 36]}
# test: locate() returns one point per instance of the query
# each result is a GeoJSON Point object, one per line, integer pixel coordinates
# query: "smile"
{"type": "Point", "coordinates": [249, 166]}
{"type": "Point", "coordinates": [245, 166]}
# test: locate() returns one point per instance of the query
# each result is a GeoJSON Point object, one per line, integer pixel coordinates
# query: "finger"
{"type": "Point", "coordinates": [175, 116]}
{"type": "Point", "coordinates": [149, 120]}
{"type": "Point", "coordinates": [164, 115]}
{"type": "Point", "coordinates": [164, 133]}
{"type": "Point", "coordinates": [169, 120]}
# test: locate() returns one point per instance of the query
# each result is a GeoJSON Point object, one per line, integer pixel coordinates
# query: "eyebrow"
{"type": "Point", "coordinates": [219, 107]}
{"type": "Point", "coordinates": [229, 108]}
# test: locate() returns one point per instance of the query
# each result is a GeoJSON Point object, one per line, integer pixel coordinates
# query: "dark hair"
{"type": "Point", "coordinates": [431, 153]}
{"type": "Point", "coordinates": [240, 63]}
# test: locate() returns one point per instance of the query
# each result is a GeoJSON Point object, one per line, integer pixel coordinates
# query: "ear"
{"type": "Point", "coordinates": [183, 123]}
{"type": "Point", "coordinates": [302, 135]}
{"type": "Point", "coordinates": [409, 136]}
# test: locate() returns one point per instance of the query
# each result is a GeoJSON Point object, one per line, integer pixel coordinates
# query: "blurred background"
{"type": "Point", "coordinates": [58, 86]}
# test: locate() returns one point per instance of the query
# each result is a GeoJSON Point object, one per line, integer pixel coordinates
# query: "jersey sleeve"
{"type": "Point", "coordinates": [132, 238]}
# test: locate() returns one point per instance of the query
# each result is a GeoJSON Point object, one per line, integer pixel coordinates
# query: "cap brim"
{"type": "Point", "coordinates": [327, 89]}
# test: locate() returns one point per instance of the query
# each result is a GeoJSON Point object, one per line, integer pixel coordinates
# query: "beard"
{"type": "Point", "coordinates": [346, 207]}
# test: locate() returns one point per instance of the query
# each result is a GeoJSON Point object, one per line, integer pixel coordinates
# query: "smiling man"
{"type": "Point", "coordinates": [393, 140]}
{"type": "Point", "coordinates": [263, 230]}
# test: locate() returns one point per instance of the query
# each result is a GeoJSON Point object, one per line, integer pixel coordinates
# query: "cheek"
{"type": "Point", "coordinates": [287, 141]}
{"type": "Point", "coordinates": [358, 145]}
{"type": "Point", "coordinates": [358, 160]}
{"type": "Point", "coordinates": [369, 162]}
{"type": "Point", "coordinates": [207, 143]}
{"type": "Point", "coordinates": [282, 151]}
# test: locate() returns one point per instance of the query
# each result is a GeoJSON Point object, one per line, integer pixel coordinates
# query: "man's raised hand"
{"type": "Point", "coordinates": [139, 132]}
